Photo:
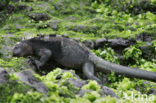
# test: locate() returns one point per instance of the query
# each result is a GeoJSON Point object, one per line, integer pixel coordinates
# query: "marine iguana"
{"type": "Point", "coordinates": [73, 54]}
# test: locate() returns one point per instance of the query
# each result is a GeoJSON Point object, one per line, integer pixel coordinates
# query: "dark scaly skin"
{"type": "Point", "coordinates": [106, 66]}
{"type": "Point", "coordinates": [72, 54]}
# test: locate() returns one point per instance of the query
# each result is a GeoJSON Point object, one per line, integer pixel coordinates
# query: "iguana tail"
{"type": "Point", "coordinates": [106, 66]}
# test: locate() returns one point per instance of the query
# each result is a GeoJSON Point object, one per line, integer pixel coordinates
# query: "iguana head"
{"type": "Point", "coordinates": [22, 49]}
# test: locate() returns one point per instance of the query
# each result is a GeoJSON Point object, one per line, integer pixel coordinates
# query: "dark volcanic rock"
{"type": "Point", "coordinates": [27, 77]}
{"type": "Point", "coordinates": [83, 91]}
{"type": "Point", "coordinates": [79, 28]}
{"type": "Point", "coordinates": [64, 7]}
{"type": "Point", "coordinates": [89, 43]}
{"type": "Point", "coordinates": [4, 76]}
{"type": "Point", "coordinates": [152, 91]}
{"type": "Point", "coordinates": [107, 91]}
{"type": "Point", "coordinates": [142, 89]}
{"type": "Point", "coordinates": [59, 5]}
{"type": "Point", "coordinates": [148, 51]}
{"type": "Point", "coordinates": [54, 24]}
{"type": "Point", "coordinates": [116, 44]}
{"type": "Point", "coordinates": [20, 7]}
{"type": "Point", "coordinates": [104, 91]}
{"type": "Point", "coordinates": [39, 16]}
{"type": "Point", "coordinates": [24, 7]}
{"type": "Point", "coordinates": [77, 83]}
{"type": "Point", "coordinates": [83, 28]}
{"type": "Point", "coordinates": [99, 43]}
{"type": "Point", "coordinates": [71, 18]}
{"type": "Point", "coordinates": [120, 43]}
{"type": "Point", "coordinates": [18, 27]}
{"type": "Point", "coordinates": [10, 8]}
{"type": "Point", "coordinates": [144, 37]}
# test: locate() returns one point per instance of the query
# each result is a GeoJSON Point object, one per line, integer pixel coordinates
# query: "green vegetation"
{"type": "Point", "coordinates": [84, 19]}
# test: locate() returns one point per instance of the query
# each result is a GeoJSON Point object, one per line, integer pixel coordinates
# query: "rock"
{"type": "Point", "coordinates": [54, 24]}
{"type": "Point", "coordinates": [10, 9]}
{"type": "Point", "coordinates": [119, 44]}
{"type": "Point", "coordinates": [89, 43]}
{"type": "Point", "coordinates": [99, 43]}
{"type": "Point", "coordinates": [107, 91]}
{"type": "Point", "coordinates": [83, 91]}
{"type": "Point", "coordinates": [152, 91]}
{"type": "Point", "coordinates": [66, 7]}
{"type": "Point", "coordinates": [148, 51]}
{"type": "Point", "coordinates": [18, 27]}
{"type": "Point", "coordinates": [141, 88]}
{"type": "Point", "coordinates": [83, 28]}
{"type": "Point", "coordinates": [50, 11]}
{"type": "Point", "coordinates": [19, 18]}
{"type": "Point", "coordinates": [39, 16]}
{"type": "Point", "coordinates": [24, 7]}
{"type": "Point", "coordinates": [71, 18]}
{"type": "Point", "coordinates": [43, 5]}
{"type": "Point", "coordinates": [4, 76]}
{"type": "Point", "coordinates": [27, 77]}
{"type": "Point", "coordinates": [20, 7]}
{"type": "Point", "coordinates": [59, 5]}
{"type": "Point", "coordinates": [76, 39]}
{"type": "Point", "coordinates": [79, 28]}
{"type": "Point", "coordinates": [104, 91]}
{"type": "Point", "coordinates": [77, 83]}
{"type": "Point", "coordinates": [145, 37]}
{"type": "Point", "coordinates": [97, 20]}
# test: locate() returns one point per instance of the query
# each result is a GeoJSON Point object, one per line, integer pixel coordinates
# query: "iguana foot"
{"type": "Point", "coordinates": [34, 62]}
{"type": "Point", "coordinates": [88, 70]}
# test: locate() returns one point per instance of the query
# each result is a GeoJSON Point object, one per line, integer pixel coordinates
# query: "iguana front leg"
{"type": "Point", "coordinates": [44, 55]}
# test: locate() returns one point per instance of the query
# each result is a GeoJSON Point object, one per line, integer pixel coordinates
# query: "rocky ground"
{"type": "Point", "coordinates": [127, 38]}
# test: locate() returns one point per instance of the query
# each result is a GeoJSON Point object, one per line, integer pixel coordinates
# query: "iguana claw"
{"type": "Point", "coordinates": [34, 62]}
